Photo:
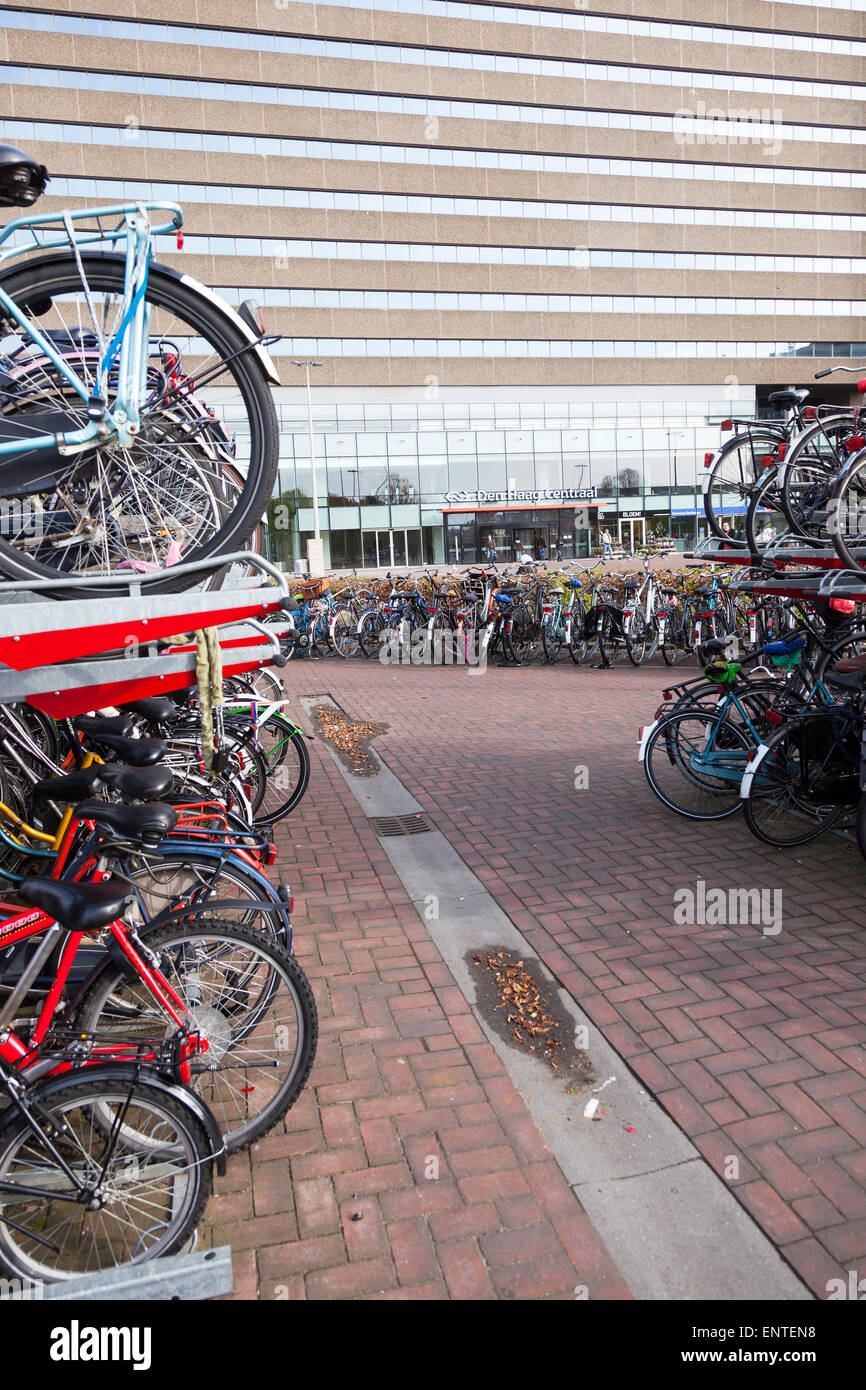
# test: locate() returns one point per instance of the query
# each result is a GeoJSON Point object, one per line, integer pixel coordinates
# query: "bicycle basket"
{"type": "Point", "coordinates": [311, 588]}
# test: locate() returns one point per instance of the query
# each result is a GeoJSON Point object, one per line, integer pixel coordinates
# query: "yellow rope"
{"type": "Point", "coordinates": [209, 678]}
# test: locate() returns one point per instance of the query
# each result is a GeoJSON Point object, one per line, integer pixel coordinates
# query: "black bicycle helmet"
{"type": "Point", "coordinates": [22, 180]}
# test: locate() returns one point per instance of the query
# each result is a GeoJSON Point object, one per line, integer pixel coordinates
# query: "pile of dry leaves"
{"type": "Point", "coordinates": [349, 738]}
{"type": "Point", "coordinates": [519, 993]}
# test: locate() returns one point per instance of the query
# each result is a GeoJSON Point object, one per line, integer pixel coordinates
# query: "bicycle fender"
{"type": "Point", "coordinates": [215, 299]}
{"type": "Point", "coordinates": [644, 738]}
{"type": "Point", "coordinates": [751, 768]}
{"type": "Point", "coordinates": [228, 312]}
{"type": "Point", "coordinates": [123, 1071]}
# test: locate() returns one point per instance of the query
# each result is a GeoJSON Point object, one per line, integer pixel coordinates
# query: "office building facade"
{"type": "Point", "coordinates": [539, 252]}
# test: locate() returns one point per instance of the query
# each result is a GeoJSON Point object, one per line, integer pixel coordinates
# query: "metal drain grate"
{"type": "Point", "coordinates": [410, 824]}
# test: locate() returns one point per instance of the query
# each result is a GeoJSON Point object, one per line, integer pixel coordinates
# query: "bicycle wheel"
{"type": "Point", "coordinates": [765, 520]}
{"type": "Point", "coordinates": [247, 996]}
{"type": "Point", "coordinates": [344, 632]}
{"type": "Point", "coordinates": [553, 634]}
{"type": "Point", "coordinates": [694, 763]}
{"type": "Point", "coordinates": [846, 514]}
{"type": "Point", "coordinates": [265, 685]}
{"type": "Point", "coordinates": [175, 494]}
{"type": "Point", "coordinates": [523, 639]}
{"type": "Point", "coordinates": [371, 626]}
{"type": "Point", "coordinates": [144, 1148]}
{"type": "Point", "coordinates": [809, 472]}
{"type": "Point", "coordinates": [284, 746]}
{"type": "Point", "coordinates": [675, 637]}
{"type": "Point", "coordinates": [162, 878]}
{"type": "Point", "coordinates": [784, 805]}
{"type": "Point", "coordinates": [611, 643]}
{"type": "Point", "coordinates": [578, 646]}
{"type": "Point", "coordinates": [733, 474]}
{"type": "Point", "coordinates": [641, 639]}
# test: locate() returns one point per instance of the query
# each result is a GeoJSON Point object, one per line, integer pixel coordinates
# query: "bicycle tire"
{"type": "Point", "coordinates": [774, 793]}
{"type": "Point", "coordinates": [737, 463]}
{"type": "Point", "coordinates": [39, 281]}
{"type": "Point", "coordinates": [110, 984]}
{"type": "Point", "coordinates": [58, 1097]}
{"type": "Point", "coordinates": [271, 809]}
{"type": "Point", "coordinates": [699, 794]}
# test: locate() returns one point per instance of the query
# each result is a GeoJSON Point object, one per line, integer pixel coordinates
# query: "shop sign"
{"type": "Point", "coordinates": [548, 494]}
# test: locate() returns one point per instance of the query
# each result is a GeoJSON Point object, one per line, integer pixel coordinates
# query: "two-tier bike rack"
{"type": "Point", "coordinates": [68, 656]}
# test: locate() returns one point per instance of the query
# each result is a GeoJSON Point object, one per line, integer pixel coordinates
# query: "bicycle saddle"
{"type": "Point", "coordinates": [845, 680]}
{"type": "Point", "coordinates": [155, 710]}
{"type": "Point", "coordinates": [787, 398]}
{"type": "Point", "coordinates": [137, 783]}
{"type": "Point", "coordinates": [714, 646]}
{"type": "Point", "coordinates": [150, 822]}
{"type": "Point", "coordinates": [139, 752]}
{"type": "Point", "coordinates": [97, 724]}
{"type": "Point", "coordinates": [74, 786]}
{"type": "Point", "coordinates": [631, 584]}
{"type": "Point", "coordinates": [22, 180]}
{"type": "Point", "coordinates": [78, 906]}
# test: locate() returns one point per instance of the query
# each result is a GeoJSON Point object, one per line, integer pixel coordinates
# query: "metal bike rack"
{"type": "Point", "coordinates": [68, 657]}
{"type": "Point", "coordinates": [86, 653]}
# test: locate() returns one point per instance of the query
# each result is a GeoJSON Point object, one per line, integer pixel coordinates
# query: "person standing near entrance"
{"type": "Point", "coordinates": [490, 551]}
{"type": "Point", "coordinates": [607, 543]}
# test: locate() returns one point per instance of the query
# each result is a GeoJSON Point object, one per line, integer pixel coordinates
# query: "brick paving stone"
{"type": "Point", "coordinates": [754, 1044]}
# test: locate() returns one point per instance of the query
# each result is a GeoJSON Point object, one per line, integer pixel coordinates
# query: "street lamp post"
{"type": "Point", "coordinates": [673, 434]}
{"type": "Point", "coordinates": [315, 549]}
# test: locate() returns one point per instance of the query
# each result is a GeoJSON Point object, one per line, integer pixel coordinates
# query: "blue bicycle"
{"type": "Point", "coordinates": [137, 426]}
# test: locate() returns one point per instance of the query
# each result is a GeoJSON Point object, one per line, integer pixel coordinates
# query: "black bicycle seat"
{"type": "Point", "coordinates": [137, 783]}
{"type": "Point", "coordinates": [714, 646]}
{"type": "Point", "coordinates": [78, 906]}
{"type": "Point", "coordinates": [155, 710]}
{"type": "Point", "coordinates": [95, 725]}
{"type": "Point", "coordinates": [139, 752]}
{"type": "Point", "coordinates": [787, 399]}
{"type": "Point", "coordinates": [846, 680]}
{"type": "Point", "coordinates": [71, 787]}
{"type": "Point", "coordinates": [149, 822]}
{"type": "Point", "coordinates": [671, 593]}
{"type": "Point", "coordinates": [631, 583]}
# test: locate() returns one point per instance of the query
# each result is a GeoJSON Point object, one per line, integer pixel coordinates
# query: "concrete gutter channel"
{"type": "Point", "coordinates": [670, 1223]}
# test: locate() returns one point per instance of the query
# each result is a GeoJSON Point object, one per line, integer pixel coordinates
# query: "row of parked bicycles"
{"type": "Point", "coordinates": [153, 1018]}
{"type": "Point", "coordinates": [583, 613]}
{"type": "Point", "coordinates": [777, 729]}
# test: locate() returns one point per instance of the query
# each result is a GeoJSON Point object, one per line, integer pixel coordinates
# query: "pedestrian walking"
{"type": "Point", "coordinates": [607, 543]}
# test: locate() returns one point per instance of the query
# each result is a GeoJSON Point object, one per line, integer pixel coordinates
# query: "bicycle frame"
{"type": "Point", "coordinates": [129, 343]}
{"type": "Point", "coordinates": [20, 925]}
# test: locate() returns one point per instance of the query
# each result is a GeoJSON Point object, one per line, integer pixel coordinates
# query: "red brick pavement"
{"type": "Point", "coordinates": [410, 1166]}
{"type": "Point", "coordinates": [753, 1044]}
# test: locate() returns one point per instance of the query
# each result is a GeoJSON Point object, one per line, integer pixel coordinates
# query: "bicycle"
{"type": "Point", "coordinates": [125, 387]}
